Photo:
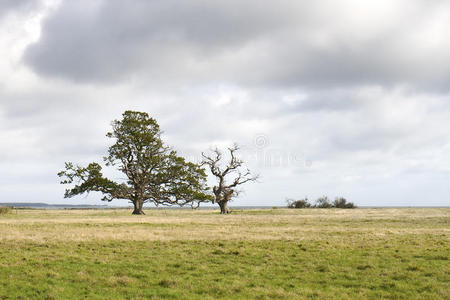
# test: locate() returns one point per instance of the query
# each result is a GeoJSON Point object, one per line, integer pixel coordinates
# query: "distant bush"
{"type": "Point", "coordinates": [323, 202]}
{"type": "Point", "coordinates": [5, 210]}
{"type": "Point", "coordinates": [302, 203]}
{"type": "Point", "coordinates": [341, 202]}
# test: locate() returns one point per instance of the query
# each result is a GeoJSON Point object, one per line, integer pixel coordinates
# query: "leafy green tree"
{"type": "Point", "coordinates": [154, 172]}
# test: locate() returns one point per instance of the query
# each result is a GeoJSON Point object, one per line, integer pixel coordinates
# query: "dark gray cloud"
{"type": "Point", "coordinates": [258, 43]}
{"type": "Point", "coordinates": [7, 6]}
{"type": "Point", "coordinates": [109, 40]}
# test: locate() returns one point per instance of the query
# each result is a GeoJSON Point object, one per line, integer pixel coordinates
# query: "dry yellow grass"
{"type": "Point", "coordinates": [85, 225]}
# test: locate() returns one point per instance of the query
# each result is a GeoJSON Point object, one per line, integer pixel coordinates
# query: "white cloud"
{"type": "Point", "coordinates": [348, 99]}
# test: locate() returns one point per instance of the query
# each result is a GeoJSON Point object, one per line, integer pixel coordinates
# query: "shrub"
{"type": "Point", "coordinates": [323, 202]}
{"type": "Point", "coordinates": [341, 202]}
{"type": "Point", "coordinates": [302, 203]}
{"type": "Point", "coordinates": [5, 210]}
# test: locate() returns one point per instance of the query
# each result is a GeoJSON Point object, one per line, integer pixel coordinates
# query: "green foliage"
{"type": "Point", "coordinates": [154, 172]}
{"type": "Point", "coordinates": [90, 179]}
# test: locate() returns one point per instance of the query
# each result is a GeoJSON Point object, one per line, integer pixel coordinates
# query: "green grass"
{"type": "Point", "coordinates": [265, 254]}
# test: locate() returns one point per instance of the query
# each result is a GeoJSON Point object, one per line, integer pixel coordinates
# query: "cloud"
{"type": "Point", "coordinates": [350, 98]}
{"type": "Point", "coordinates": [7, 6]}
{"type": "Point", "coordinates": [317, 44]}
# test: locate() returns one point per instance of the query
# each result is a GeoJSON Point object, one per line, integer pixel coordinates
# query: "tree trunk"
{"type": "Point", "coordinates": [224, 207]}
{"type": "Point", "coordinates": [138, 204]}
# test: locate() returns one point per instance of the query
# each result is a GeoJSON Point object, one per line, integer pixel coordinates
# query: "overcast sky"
{"type": "Point", "coordinates": [340, 98]}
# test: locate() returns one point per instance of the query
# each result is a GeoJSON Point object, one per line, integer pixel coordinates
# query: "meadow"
{"type": "Point", "coordinates": [250, 254]}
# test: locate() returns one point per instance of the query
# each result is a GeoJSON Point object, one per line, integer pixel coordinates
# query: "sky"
{"type": "Point", "coordinates": [340, 98]}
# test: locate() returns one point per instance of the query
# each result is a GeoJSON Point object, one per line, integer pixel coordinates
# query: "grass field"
{"type": "Point", "coordinates": [264, 254]}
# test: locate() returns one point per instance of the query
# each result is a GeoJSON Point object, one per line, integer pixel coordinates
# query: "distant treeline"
{"type": "Point", "coordinates": [322, 202]}
{"type": "Point", "coordinates": [46, 205]}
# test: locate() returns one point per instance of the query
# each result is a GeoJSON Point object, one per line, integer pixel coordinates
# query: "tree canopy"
{"type": "Point", "coordinates": [154, 172]}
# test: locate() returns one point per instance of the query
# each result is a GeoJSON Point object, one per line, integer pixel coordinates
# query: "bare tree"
{"type": "Point", "coordinates": [229, 177]}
